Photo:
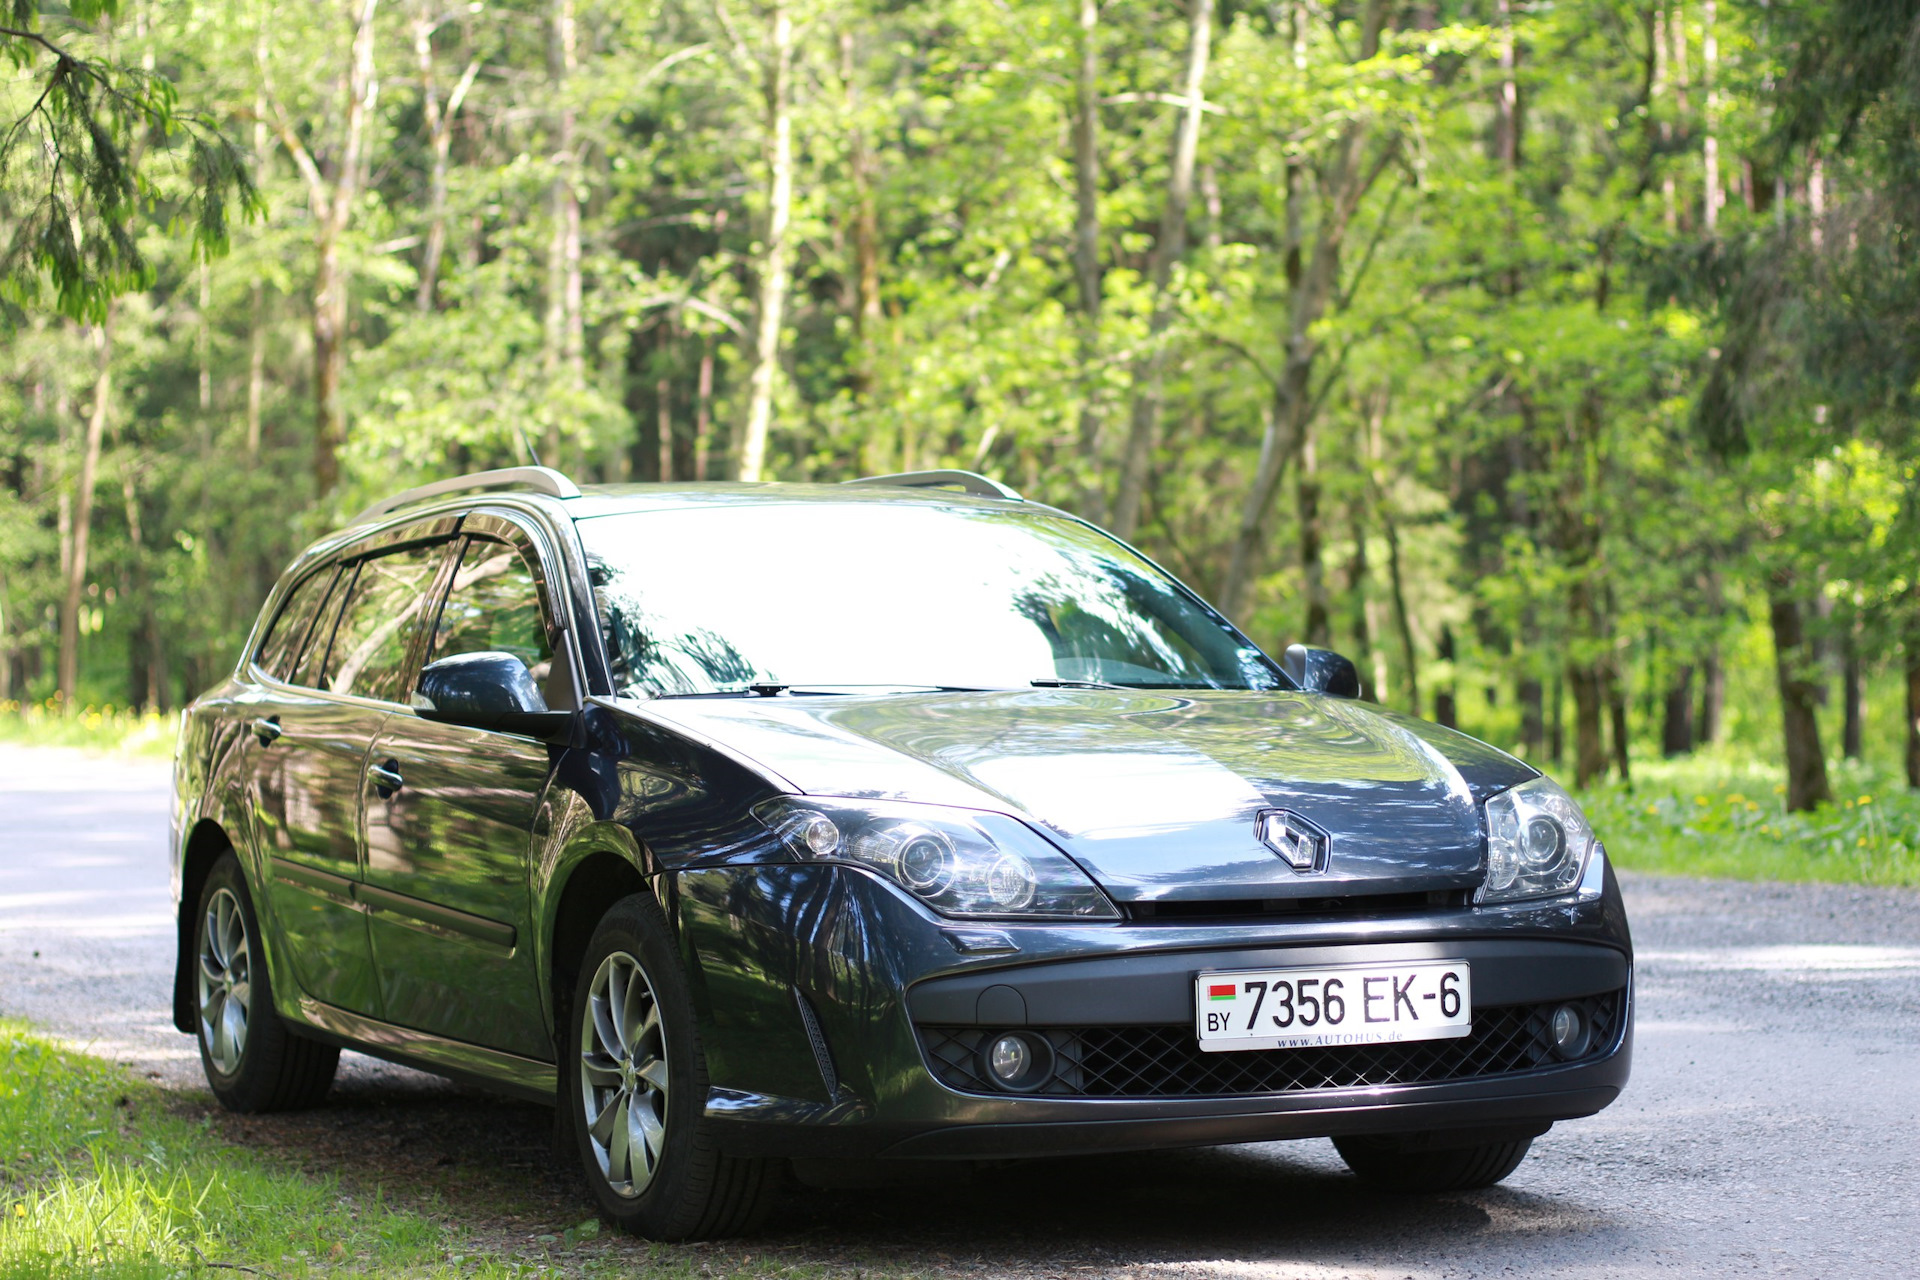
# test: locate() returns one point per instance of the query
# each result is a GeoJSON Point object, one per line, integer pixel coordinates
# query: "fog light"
{"type": "Point", "coordinates": [1017, 1062]}
{"type": "Point", "coordinates": [1569, 1032]}
{"type": "Point", "coordinates": [1009, 1059]}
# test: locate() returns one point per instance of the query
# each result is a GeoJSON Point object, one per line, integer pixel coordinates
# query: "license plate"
{"type": "Point", "coordinates": [1333, 1005]}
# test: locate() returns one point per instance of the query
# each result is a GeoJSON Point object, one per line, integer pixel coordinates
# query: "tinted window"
{"type": "Point", "coordinates": [311, 664]}
{"type": "Point", "coordinates": [713, 599]}
{"type": "Point", "coordinates": [281, 648]}
{"type": "Point", "coordinates": [383, 617]}
{"type": "Point", "coordinates": [494, 606]}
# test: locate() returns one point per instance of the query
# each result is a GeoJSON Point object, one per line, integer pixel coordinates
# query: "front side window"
{"type": "Point", "coordinates": [494, 606]}
{"type": "Point", "coordinates": [715, 599]}
{"type": "Point", "coordinates": [385, 610]}
{"type": "Point", "coordinates": [280, 650]}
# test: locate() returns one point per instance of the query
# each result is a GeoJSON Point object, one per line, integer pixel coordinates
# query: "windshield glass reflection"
{"type": "Point", "coordinates": [870, 596]}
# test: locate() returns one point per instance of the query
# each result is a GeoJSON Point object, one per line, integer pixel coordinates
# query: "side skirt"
{"type": "Point", "coordinates": [468, 1063]}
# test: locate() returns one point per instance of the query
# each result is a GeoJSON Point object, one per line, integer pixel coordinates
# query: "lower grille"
{"type": "Point", "coordinates": [1166, 1062]}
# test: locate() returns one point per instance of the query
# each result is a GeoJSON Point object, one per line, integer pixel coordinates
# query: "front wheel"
{"type": "Point", "coordinates": [252, 1062]}
{"type": "Point", "coordinates": [635, 1088]}
{"type": "Point", "coordinates": [1423, 1163]}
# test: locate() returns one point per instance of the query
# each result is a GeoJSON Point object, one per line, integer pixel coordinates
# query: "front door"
{"type": "Point", "coordinates": [450, 815]}
{"type": "Point", "coordinates": [310, 731]}
{"type": "Point", "coordinates": [304, 753]}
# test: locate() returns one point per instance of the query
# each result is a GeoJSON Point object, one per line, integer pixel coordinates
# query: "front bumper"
{"type": "Point", "coordinates": [831, 1009]}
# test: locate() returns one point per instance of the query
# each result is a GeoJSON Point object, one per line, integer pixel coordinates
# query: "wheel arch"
{"type": "Point", "coordinates": [602, 864]}
{"type": "Point", "coordinates": [204, 844]}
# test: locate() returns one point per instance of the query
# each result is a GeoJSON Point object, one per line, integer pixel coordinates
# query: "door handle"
{"type": "Point", "coordinates": [267, 729]}
{"type": "Point", "coordinates": [386, 778]}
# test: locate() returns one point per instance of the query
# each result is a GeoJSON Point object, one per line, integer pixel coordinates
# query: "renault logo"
{"type": "Point", "coordinates": [1300, 844]}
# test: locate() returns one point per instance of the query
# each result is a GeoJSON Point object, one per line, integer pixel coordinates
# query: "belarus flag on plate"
{"type": "Point", "coordinates": [1220, 991]}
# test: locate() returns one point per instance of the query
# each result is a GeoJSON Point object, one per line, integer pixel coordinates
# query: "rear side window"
{"type": "Point", "coordinates": [281, 648]}
{"type": "Point", "coordinates": [494, 605]}
{"type": "Point", "coordinates": [384, 614]}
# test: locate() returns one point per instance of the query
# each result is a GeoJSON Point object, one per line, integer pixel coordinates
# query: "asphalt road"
{"type": "Point", "coordinates": [1772, 1126]}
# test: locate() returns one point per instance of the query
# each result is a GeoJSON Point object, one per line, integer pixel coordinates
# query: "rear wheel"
{"type": "Point", "coordinates": [1422, 1162]}
{"type": "Point", "coordinates": [635, 1081]}
{"type": "Point", "coordinates": [252, 1061]}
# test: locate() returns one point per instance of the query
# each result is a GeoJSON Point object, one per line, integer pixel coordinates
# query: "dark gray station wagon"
{"type": "Point", "coordinates": [895, 820]}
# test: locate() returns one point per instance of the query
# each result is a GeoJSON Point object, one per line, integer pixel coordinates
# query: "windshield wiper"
{"type": "Point", "coordinates": [800, 688]}
{"type": "Point", "coordinates": [1054, 682]}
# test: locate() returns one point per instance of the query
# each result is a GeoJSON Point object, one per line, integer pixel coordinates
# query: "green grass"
{"type": "Point", "coordinates": [101, 1176]}
{"type": "Point", "coordinates": [106, 729]}
{"type": "Point", "coordinates": [1717, 816]}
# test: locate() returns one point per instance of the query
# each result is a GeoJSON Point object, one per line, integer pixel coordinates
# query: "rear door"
{"type": "Point", "coordinates": [450, 819]}
{"type": "Point", "coordinates": [311, 723]}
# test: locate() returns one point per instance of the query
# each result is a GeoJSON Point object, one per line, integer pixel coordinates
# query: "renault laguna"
{"type": "Point", "coordinates": [896, 820]}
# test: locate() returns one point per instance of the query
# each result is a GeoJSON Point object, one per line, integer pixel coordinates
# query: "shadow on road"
{"type": "Point", "coordinates": [486, 1164]}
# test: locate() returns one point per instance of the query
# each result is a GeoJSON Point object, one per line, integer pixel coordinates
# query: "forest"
{"type": "Point", "coordinates": [1555, 361]}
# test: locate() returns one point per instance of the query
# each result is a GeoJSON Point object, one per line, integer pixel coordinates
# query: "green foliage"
{"type": "Point", "coordinates": [1723, 817]}
{"type": "Point", "coordinates": [93, 145]}
{"type": "Point", "coordinates": [1571, 437]}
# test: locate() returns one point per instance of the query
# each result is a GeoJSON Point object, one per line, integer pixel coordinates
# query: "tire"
{"type": "Point", "coordinates": [253, 1062]}
{"type": "Point", "coordinates": [1413, 1164]}
{"type": "Point", "coordinates": [635, 1087]}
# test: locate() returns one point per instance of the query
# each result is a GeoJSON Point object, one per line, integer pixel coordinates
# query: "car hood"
{"type": "Point", "coordinates": [1154, 794]}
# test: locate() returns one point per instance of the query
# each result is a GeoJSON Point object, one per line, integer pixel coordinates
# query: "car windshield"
{"type": "Point", "coordinates": [865, 595]}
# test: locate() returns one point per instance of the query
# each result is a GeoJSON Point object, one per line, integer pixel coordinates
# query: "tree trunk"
{"type": "Point", "coordinates": [1615, 689]}
{"type": "Point", "coordinates": [1713, 697]}
{"type": "Point", "coordinates": [1676, 732]}
{"type": "Point", "coordinates": [1169, 248]}
{"type": "Point", "coordinates": [332, 204]}
{"type": "Point", "coordinates": [565, 334]}
{"type": "Point", "coordinates": [1360, 621]}
{"type": "Point", "coordinates": [1710, 148]}
{"type": "Point", "coordinates": [1807, 785]}
{"type": "Point", "coordinates": [257, 335]}
{"type": "Point", "coordinates": [771, 294]}
{"type": "Point", "coordinates": [1348, 178]}
{"type": "Point", "coordinates": [865, 311]}
{"type": "Point", "coordinates": [703, 410]}
{"type": "Point", "coordinates": [663, 406]}
{"type": "Point", "coordinates": [1446, 710]}
{"type": "Point", "coordinates": [1852, 680]}
{"type": "Point", "coordinates": [329, 365]}
{"type": "Point", "coordinates": [1533, 716]}
{"type": "Point", "coordinates": [1402, 617]}
{"type": "Point", "coordinates": [1557, 721]}
{"type": "Point", "coordinates": [69, 667]}
{"type": "Point", "coordinates": [439, 119]}
{"type": "Point", "coordinates": [1319, 621]}
{"type": "Point", "coordinates": [1086, 247]}
{"type": "Point", "coordinates": [1589, 754]}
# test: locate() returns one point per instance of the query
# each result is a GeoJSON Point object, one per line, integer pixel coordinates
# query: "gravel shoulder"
{"type": "Point", "coordinates": [1772, 1126]}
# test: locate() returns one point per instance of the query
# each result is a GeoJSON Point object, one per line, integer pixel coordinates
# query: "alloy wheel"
{"type": "Point", "coordinates": [225, 984]}
{"type": "Point", "coordinates": [623, 1074]}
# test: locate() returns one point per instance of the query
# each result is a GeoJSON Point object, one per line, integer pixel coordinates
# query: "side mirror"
{"type": "Point", "coordinates": [488, 690]}
{"type": "Point", "coordinates": [1321, 671]}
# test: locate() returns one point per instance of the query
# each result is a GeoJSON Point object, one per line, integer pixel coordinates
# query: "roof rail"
{"type": "Point", "coordinates": [966, 481]}
{"type": "Point", "coordinates": [533, 479]}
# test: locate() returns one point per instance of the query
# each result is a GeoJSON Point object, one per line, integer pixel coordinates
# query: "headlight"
{"type": "Point", "coordinates": [1538, 842]}
{"type": "Point", "coordinates": [958, 862]}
